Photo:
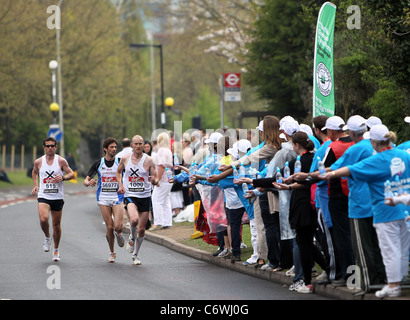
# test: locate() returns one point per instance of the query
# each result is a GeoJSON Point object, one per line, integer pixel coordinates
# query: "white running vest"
{"type": "Point", "coordinates": [107, 182]}
{"type": "Point", "coordinates": [50, 189]}
{"type": "Point", "coordinates": [136, 179]}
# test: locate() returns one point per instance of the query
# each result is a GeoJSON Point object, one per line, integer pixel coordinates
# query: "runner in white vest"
{"type": "Point", "coordinates": [108, 198]}
{"type": "Point", "coordinates": [139, 175]}
{"type": "Point", "coordinates": [51, 170]}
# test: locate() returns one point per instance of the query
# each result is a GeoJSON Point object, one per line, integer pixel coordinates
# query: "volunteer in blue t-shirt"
{"type": "Point", "coordinates": [364, 237]}
{"type": "Point", "coordinates": [389, 222]}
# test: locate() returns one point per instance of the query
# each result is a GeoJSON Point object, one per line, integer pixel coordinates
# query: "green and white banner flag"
{"type": "Point", "coordinates": [323, 84]}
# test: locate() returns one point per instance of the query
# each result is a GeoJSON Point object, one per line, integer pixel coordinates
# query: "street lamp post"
{"type": "Point", "coordinates": [60, 89]}
{"type": "Point", "coordinates": [159, 46]}
{"type": "Point", "coordinates": [153, 102]}
{"type": "Point", "coordinates": [54, 128]}
{"type": "Point", "coordinates": [54, 107]}
{"type": "Point", "coordinates": [53, 65]}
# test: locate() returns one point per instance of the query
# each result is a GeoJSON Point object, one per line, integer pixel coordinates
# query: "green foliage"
{"type": "Point", "coordinates": [394, 19]}
{"type": "Point", "coordinates": [188, 70]}
{"type": "Point", "coordinates": [103, 86]}
{"type": "Point", "coordinates": [278, 55]}
{"type": "Point", "coordinates": [389, 104]}
{"type": "Point", "coordinates": [207, 106]}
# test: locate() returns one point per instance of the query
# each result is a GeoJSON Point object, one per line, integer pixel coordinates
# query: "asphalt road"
{"type": "Point", "coordinates": [28, 273]}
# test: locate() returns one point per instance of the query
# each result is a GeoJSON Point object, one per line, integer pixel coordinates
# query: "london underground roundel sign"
{"type": "Point", "coordinates": [232, 80]}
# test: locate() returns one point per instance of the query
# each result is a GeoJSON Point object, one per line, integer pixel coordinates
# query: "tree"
{"type": "Point", "coordinates": [100, 89]}
{"type": "Point", "coordinates": [278, 57]}
{"type": "Point", "coordinates": [222, 25]}
{"type": "Point", "coordinates": [25, 78]}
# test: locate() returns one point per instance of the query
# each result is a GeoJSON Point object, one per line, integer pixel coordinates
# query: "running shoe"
{"type": "Point", "coordinates": [130, 244]}
{"type": "Point", "coordinates": [296, 285]}
{"type": "Point", "coordinates": [322, 278]}
{"type": "Point", "coordinates": [223, 253]}
{"type": "Point", "coordinates": [47, 244]}
{"type": "Point", "coordinates": [305, 289]}
{"type": "Point", "coordinates": [136, 260]}
{"type": "Point", "coordinates": [388, 292]}
{"type": "Point", "coordinates": [120, 240]}
{"type": "Point", "coordinates": [111, 258]}
{"type": "Point", "coordinates": [268, 267]}
{"type": "Point", "coordinates": [217, 252]}
{"type": "Point", "coordinates": [56, 255]}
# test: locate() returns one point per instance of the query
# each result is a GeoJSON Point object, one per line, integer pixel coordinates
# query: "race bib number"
{"type": "Point", "coordinates": [109, 184]}
{"type": "Point", "coordinates": [50, 185]}
{"type": "Point", "coordinates": [136, 184]}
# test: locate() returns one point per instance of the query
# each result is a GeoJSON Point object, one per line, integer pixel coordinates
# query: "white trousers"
{"type": "Point", "coordinates": [161, 204]}
{"type": "Point", "coordinates": [394, 242]}
{"type": "Point", "coordinates": [177, 199]}
{"type": "Point", "coordinates": [254, 235]}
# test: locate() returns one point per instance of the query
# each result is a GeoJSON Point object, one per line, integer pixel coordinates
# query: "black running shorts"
{"type": "Point", "coordinates": [55, 205]}
{"type": "Point", "coordinates": [142, 204]}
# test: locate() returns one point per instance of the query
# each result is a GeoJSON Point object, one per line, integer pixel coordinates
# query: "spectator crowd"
{"type": "Point", "coordinates": [334, 194]}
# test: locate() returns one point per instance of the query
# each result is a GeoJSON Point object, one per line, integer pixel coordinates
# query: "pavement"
{"type": "Point", "coordinates": [172, 237]}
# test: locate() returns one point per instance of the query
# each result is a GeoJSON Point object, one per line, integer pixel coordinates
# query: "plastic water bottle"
{"type": "Point", "coordinates": [244, 188]}
{"type": "Point", "coordinates": [169, 174]}
{"type": "Point", "coordinates": [207, 172]}
{"type": "Point", "coordinates": [278, 175]}
{"type": "Point", "coordinates": [286, 171]}
{"type": "Point", "coordinates": [241, 171]}
{"type": "Point", "coordinates": [235, 173]}
{"type": "Point", "coordinates": [321, 167]}
{"type": "Point", "coordinates": [194, 169]}
{"type": "Point", "coordinates": [399, 186]}
{"type": "Point", "coordinates": [176, 160]}
{"type": "Point", "coordinates": [298, 165]}
{"type": "Point", "coordinates": [388, 193]}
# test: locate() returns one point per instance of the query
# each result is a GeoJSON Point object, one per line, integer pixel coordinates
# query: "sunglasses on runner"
{"type": "Point", "coordinates": [49, 145]}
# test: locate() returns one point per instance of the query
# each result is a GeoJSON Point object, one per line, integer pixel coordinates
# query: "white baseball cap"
{"type": "Point", "coordinates": [306, 129]}
{"type": "Point", "coordinates": [260, 126]}
{"type": "Point", "coordinates": [285, 119]}
{"type": "Point", "coordinates": [214, 137]}
{"type": "Point", "coordinates": [234, 150]}
{"type": "Point", "coordinates": [373, 121]}
{"type": "Point", "coordinates": [378, 132]}
{"type": "Point", "coordinates": [355, 123]}
{"type": "Point", "coordinates": [244, 145]}
{"type": "Point", "coordinates": [334, 123]}
{"type": "Point", "coordinates": [290, 127]}
{"type": "Point", "coordinates": [407, 119]}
